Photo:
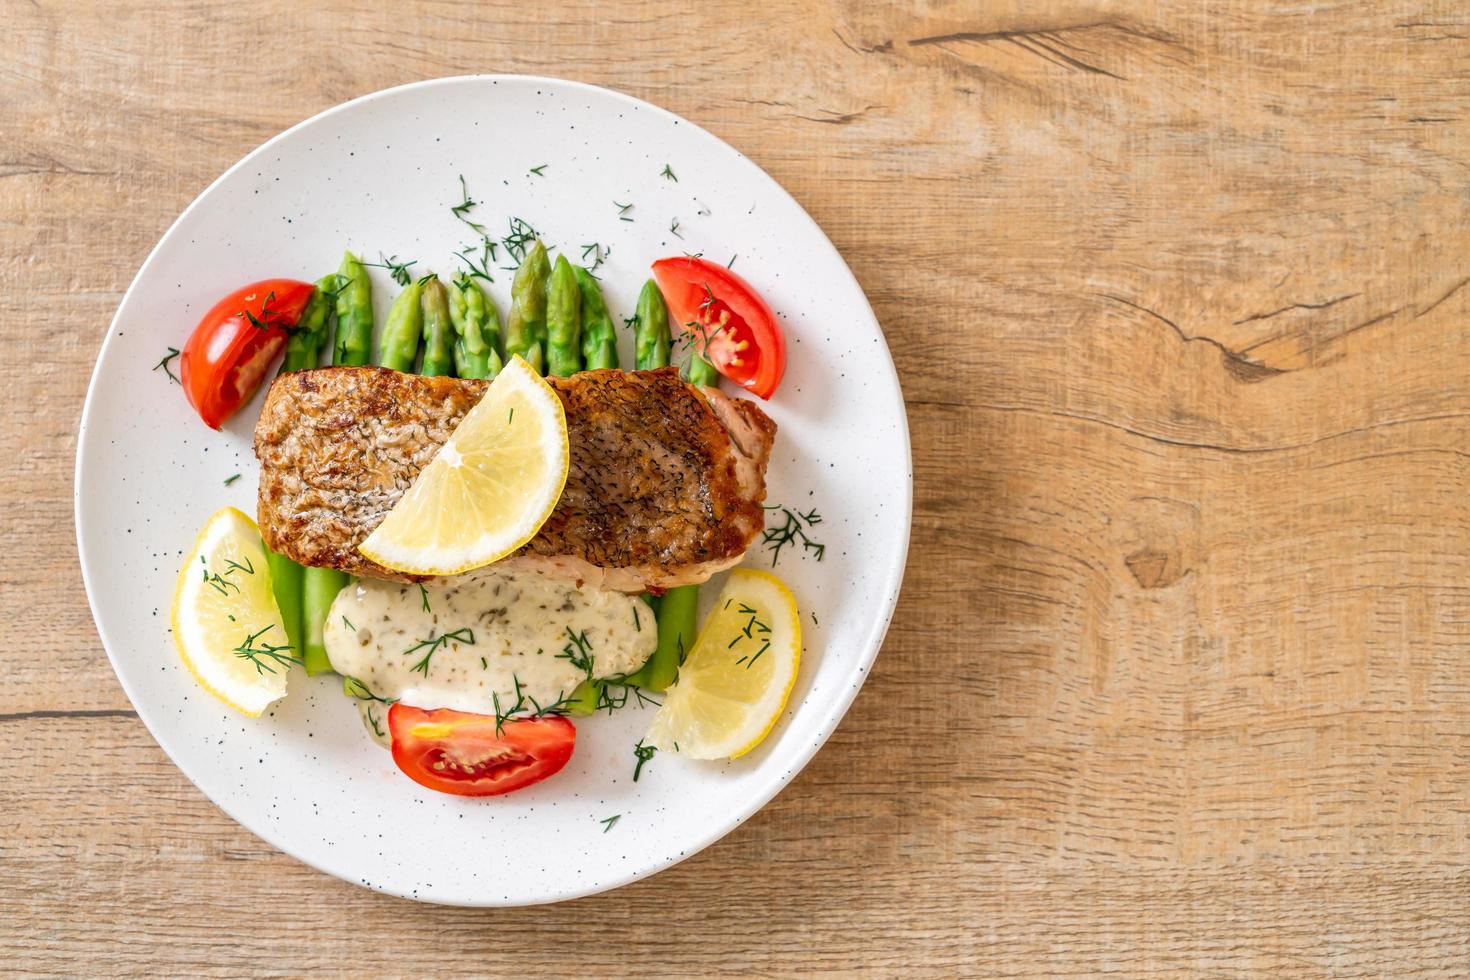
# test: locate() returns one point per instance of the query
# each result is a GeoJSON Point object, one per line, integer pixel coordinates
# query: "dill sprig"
{"type": "Point", "coordinates": [518, 239]}
{"type": "Point", "coordinates": [642, 753]}
{"type": "Point", "coordinates": [354, 688]}
{"type": "Point", "coordinates": [424, 597]}
{"type": "Point", "coordinates": [674, 228]}
{"type": "Point", "coordinates": [258, 655]}
{"type": "Point", "coordinates": [398, 270]}
{"type": "Point", "coordinates": [435, 643]}
{"type": "Point", "coordinates": [669, 173]}
{"type": "Point", "coordinates": [623, 210]}
{"type": "Point", "coordinates": [539, 171]}
{"type": "Point", "coordinates": [599, 255]}
{"type": "Point", "coordinates": [607, 822]}
{"type": "Point", "coordinates": [578, 652]}
{"type": "Point", "coordinates": [231, 479]}
{"type": "Point", "coordinates": [173, 352]}
{"type": "Point", "coordinates": [265, 320]}
{"type": "Point", "coordinates": [793, 531]}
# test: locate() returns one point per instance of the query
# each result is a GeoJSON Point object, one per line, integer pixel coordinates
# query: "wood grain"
{"type": "Point", "coordinates": [1180, 678]}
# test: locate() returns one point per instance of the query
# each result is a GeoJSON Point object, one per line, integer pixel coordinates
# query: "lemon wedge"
{"type": "Point", "coordinates": [735, 681]}
{"type": "Point", "coordinates": [489, 489]}
{"type": "Point", "coordinates": [226, 625]}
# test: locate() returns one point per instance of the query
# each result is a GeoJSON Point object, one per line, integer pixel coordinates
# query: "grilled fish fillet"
{"type": "Point", "coordinates": [664, 488]}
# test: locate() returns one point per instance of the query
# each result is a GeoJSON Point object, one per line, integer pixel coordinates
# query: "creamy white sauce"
{"type": "Point", "coordinates": [481, 634]}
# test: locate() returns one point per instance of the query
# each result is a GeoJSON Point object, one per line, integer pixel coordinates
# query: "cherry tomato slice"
{"type": "Point", "coordinates": [732, 325]}
{"type": "Point", "coordinates": [227, 355]}
{"type": "Point", "coordinates": [464, 754]}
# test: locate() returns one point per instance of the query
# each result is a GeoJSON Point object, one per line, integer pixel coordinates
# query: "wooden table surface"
{"type": "Point", "coordinates": [1180, 677]}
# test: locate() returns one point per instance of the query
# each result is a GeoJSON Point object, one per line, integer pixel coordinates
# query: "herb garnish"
{"type": "Point", "coordinates": [478, 269]}
{"type": "Point", "coordinates": [791, 532]}
{"type": "Point", "coordinates": [231, 479]}
{"type": "Point", "coordinates": [398, 270]}
{"type": "Point", "coordinates": [520, 237]}
{"type": "Point", "coordinates": [348, 623]}
{"type": "Point", "coordinates": [538, 170]}
{"type": "Point", "coordinates": [373, 720]}
{"type": "Point", "coordinates": [258, 655]}
{"type": "Point", "coordinates": [623, 210]}
{"type": "Point", "coordinates": [578, 652]}
{"type": "Point", "coordinates": [173, 352]}
{"type": "Point", "coordinates": [642, 753]}
{"type": "Point", "coordinates": [465, 206]}
{"type": "Point", "coordinates": [607, 824]}
{"type": "Point", "coordinates": [502, 715]}
{"type": "Point", "coordinates": [598, 253]}
{"type": "Point", "coordinates": [264, 321]}
{"type": "Point", "coordinates": [731, 263]}
{"type": "Point", "coordinates": [354, 688]}
{"type": "Point", "coordinates": [221, 583]}
{"type": "Point", "coordinates": [424, 597]}
{"type": "Point", "coordinates": [669, 173]}
{"type": "Point", "coordinates": [434, 643]}
{"type": "Point", "coordinates": [674, 229]}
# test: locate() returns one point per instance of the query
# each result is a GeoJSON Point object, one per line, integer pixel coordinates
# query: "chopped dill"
{"type": "Point", "coordinates": [258, 655]}
{"type": "Point", "coordinates": [173, 352]}
{"type": "Point", "coordinates": [642, 753]}
{"type": "Point", "coordinates": [435, 643]}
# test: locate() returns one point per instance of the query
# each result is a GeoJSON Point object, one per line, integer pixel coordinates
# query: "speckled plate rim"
{"type": "Point", "coordinates": [892, 578]}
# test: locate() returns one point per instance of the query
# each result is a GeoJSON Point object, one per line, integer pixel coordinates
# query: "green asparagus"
{"type": "Point", "coordinates": [354, 344]}
{"type": "Point", "coordinates": [476, 329]}
{"type": "Point", "coordinates": [599, 339]}
{"type": "Point", "coordinates": [525, 333]}
{"type": "Point", "coordinates": [678, 610]}
{"type": "Point", "coordinates": [438, 330]}
{"type": "Point", "coordinates": [303, 348]}
{"type": "Point", "coordinates": [398, 348]}
{"type": "Point", "coordinates": [652, 332]}
{"type": "Point", "coordinates": [563, 321]}
{"type": "Point", "coordinates": [699, 371]}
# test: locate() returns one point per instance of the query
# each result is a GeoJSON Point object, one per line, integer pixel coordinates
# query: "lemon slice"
{"type": "Point", "coordinates": [735, 681]}
{"type": "Point", "coordinates": [489, 489]}
{"type": "Point", "coordinates": [226, 625]}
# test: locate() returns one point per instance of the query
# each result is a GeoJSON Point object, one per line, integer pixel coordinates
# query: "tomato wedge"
{"type": "Point", "coordinates": [228, 354]}
{"type": "Point", "coordinates": [469, 755]}
{"type": "Point", "coordinates": [732, 325]}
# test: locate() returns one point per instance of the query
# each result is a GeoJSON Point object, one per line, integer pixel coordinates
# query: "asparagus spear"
{"type": "Point", "coordinates": [303, 348]}
{"type": "Point", "coordinates": [652, 331]}
{"type": "Point", "coordinates": [438, 330]}
{"type": "Point", "coordinates": [599, 339]}
{"type": "Point", "coordinates": [476, 328]}
{"type": "Point", "coordinates": [399, 346]}
{"type": "Point", "coordinates": [353, 345]}
{"type": "Point", "coordinates": [563, 321]}
{"type": "Point", "coordinates": [525, 334]}
{"type": "Point", "coordinates": [699, 371]}
{"type": "Point", "coordinates": [354, 313]}
{"type": "Point", "coordinates": [679, 608]}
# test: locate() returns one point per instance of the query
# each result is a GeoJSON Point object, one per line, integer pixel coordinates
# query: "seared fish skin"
{"type": "Point", "coordinates": [664, 488]}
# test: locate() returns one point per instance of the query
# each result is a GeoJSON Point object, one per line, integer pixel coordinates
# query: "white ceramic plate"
{"type": "Point", "coordinates": [380, 174]}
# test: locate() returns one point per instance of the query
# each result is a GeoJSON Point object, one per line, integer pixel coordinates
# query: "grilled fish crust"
{"type": "Point", "coordinates": [664, 487]}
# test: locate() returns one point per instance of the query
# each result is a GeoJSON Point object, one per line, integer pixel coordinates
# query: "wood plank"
{"type": "Point", "coordinates": [1180, 678]}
